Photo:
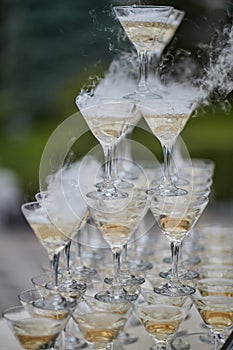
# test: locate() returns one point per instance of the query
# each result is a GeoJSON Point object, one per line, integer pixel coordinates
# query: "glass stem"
{"type": "Point", "coordinates": [67, 255]}
{"type": "Point", "coordinates": [160, 345]}
{"type": "Point", "coordinates": [117, 265]}
{"type": "Point", "coordinates": [79, 247]}
{"type": "Point", "coordinates": [216, 343]}
{"type": "Point", "coordinates": [167, 153]}
{"type": "Point", "coordinates": [108, 185]}
{"type": "Point", "coordinates": [55, 268]}
{"type": "Point", "coordinates": [114, 162]}
{"type": "Point", "coordinates": [143, 59]}
{"type": "Point", "coordinates": [124, 262]}
{"type": "Point", "coordinates": [175, 251]}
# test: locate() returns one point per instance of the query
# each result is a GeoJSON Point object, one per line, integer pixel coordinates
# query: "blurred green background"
{"type": "Point", "coordinates": [48, 52]}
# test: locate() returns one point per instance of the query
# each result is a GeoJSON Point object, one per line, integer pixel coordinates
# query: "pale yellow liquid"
{"type": "Point", "coordinates": [100, 327]}
{"type": "Point", "coordinates": [106, 125]}
{"type": "Point", "coordinates": [175, 227]}
{"type": "Point", "coordinates": [115, 234]}
{"type": "Point", "coordinates": [50, 237]}
{"type": "Point", "coordinates": [218, 320]}
{"type": "Point", "coordinates": [142, 33]}
{"type": "Point", "coordinates": [166, 127]}
{"type": "Point", "coordinates": [36, 334]}
{"type": "Point", "coordinates": [159, 321]}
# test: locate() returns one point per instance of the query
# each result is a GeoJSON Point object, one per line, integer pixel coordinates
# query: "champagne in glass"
{"type": "Point", "coordinates": [166, 119]}
{"type": "Point", "coordinates": [176, 216]}
{"type": "Point", "coordinates": [101, 322]}
{"type": "Point", "coordinates": [108, 120]}
{"type": "Point", "coordinates": [117, 219]}
{"type": "Point", "coordinates": [143, 26]}
{"type": "Point", "coordinates": [33, 333]}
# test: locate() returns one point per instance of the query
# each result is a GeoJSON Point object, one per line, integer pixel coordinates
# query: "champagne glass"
{"type": "Point", "coordinates": [197, 189]}
{"type": "Point", "coordinates": [108, 121]}
{"type": "Point", "coordinates": [214, 302]}
{"type": "Point", "coordinates": [117, 219]}
{"type": "Point", "coordinates": [32, 332]}
{"type": "Point", "coordinates": [166, 119]}
{"type": "Point", "coordinates": [42, 297]}
{"type": "Point", "coordinates": [176, 216]}
{"type": "Point", "coordinates": [67, 211]}
{"type": "Point", "coordinates": [161, 316]}
{"type": "Point", "coordinates": [100, 322]}
{"type": "Point", "coordinates": [143, 26]}
{"type": "Point", "coordinates": [51, 237]}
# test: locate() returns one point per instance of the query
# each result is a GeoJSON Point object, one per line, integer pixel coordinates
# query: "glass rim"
{"type": "Point", "coordinates": [11, 310]}
{"type": "Point", "coordinates": [162, 7]}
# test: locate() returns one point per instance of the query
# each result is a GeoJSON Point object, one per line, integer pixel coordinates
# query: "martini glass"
{"type": "Point", "coordinates": [100, 322]}
{"type": "Point", "coordinates": [161, 316]}
{"type": "Point", "coordinates": [176, 216]}
{"type": "Point", "coordinates": [67, 212]}
{"type": "Point", "coordinates": [52, 238]}
{"type": "Point", "coordinates": [32, 332]}
{"type": "Point", "coordinates": [117, 219]}
{"type": "Point", "coordinates": [108, 121]}
{"type": "Point", "coordinates": [166, 119]}
{"type": "Point", "coordinates": [143, 26]}
{"type": "Point", "coordinates": [214, 302]}
{"type": "Point", "coordinates": [200, 189]}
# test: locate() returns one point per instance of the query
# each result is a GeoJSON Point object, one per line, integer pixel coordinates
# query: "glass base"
{"type": "Point", "coordinates": [126, 338]}
{"type": "Point", "coordinates": [119, 183]}
{"type": "Point", "coordinates": [183, 274]}
{"type": "Point", "coordinates": [107, 195]}
{"type": "Point", "coordinates": [73, 289]}
{"type": "Point", "coordinates": [141, 265]}
{"type": "Point", "coordinates": [142, 94]}
{"type": "Point", "coordinates": [174, 289]}
{"type": "Point", "coordinates": [127, 280]}
{"type": "Point", "coordinates": [115, 295]}
{"type": "Point", "coordinates": [167, 191]}
{"type": "Point", "coordinates": [83, 271]}
{"type": "Point", "coordinates": [190, 341]}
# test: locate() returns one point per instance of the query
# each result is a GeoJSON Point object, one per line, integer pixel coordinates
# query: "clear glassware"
{"type": "Point", "coordinates": [32, 332]}
{"type": "Point", "coordinates": [143, 26]}
{"type": "Point", "coordinates": [214, 301]}
{"type": "Point", "coordinates": [42, 295]}
{"type": "Point", "coordinates": [161, 316]}
{"type": "Point", "coordinates": [117, 219]}
{"type": "Point", "coordinates": [176, 216]}
{"type": "Point", "coordinates": [67, 211]}
{"type": "Point", "coordinates": [52, 238]}
{"type": "Point", "coordinates": [101, 322]}
{"type": "Point", "coordinates": [166, 119]}
{"type": "Point", "coordinates": [108, 120]}
{"type": "Point", "coordinates": [199, 190]}
{"type": "Point", "coordinates": [190, 341]}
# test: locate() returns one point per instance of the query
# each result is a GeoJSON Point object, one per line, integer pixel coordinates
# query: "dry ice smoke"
{"type": "Point", "coordinates": [216, 81]}
{"type": "Point", "coordinates": [66, 202]}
